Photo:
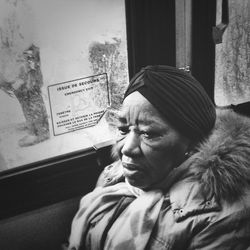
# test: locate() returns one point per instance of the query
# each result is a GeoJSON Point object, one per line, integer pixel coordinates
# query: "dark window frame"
{"type": "Point", "coordinates": [203, 46]}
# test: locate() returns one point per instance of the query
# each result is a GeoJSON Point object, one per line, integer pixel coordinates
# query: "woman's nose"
{"type": "Point", "coordinates": [131, 145]}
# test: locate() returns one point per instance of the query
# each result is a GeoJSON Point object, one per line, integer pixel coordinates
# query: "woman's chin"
{"type": "Point", "coordinates": [135, 179]}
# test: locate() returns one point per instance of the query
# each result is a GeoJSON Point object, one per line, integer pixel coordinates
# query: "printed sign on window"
{"type": "Point", "coordinates": [78, 104]}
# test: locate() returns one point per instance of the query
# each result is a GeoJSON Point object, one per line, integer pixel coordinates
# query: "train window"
{"type": "Point", "coordinates": [63, 71]}
{"type": "Point", "coordinates": [232, 78]}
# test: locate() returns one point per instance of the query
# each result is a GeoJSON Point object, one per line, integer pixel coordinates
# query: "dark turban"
{"type": "Point", "coordinates": [178, 96]}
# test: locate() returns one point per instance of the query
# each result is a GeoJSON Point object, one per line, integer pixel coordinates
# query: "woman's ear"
{"type": "Point", "coordinates": [191, 148]}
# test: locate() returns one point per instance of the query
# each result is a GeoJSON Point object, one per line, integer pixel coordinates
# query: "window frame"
{"type": "Point", "coordinates": [203, 46]}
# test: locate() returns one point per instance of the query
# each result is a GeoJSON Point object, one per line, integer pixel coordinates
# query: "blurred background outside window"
{"type": "Point", "coordinates": [232, 67]}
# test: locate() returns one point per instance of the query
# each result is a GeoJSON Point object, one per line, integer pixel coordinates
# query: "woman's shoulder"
{"type": "Point", "coordinates": [199, 222]}
{"type": "Point", "coordinates": [187, 199]}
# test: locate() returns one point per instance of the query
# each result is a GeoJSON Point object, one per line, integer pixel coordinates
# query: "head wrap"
{"type": "Point", "coordinates": [178, 96]}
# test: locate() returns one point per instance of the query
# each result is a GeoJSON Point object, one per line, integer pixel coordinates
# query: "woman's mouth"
{"type": "Point", "coordinates": [131, 166]}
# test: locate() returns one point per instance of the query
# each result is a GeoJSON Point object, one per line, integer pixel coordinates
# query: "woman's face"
{"type": "Point", "coordinates": [149, 146]}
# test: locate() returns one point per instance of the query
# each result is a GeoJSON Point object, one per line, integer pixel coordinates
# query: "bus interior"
{"type": "Point", "coordinates": [39, 199]}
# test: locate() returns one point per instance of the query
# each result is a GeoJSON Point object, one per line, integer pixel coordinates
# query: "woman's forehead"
{"type": "Point", "coordinates": [137, 109]}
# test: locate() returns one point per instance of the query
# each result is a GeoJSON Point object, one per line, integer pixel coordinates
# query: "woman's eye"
{"type": "Point", "coordinates": [123, 130]}
{"type": "Point", "coordinates": [148, 135]}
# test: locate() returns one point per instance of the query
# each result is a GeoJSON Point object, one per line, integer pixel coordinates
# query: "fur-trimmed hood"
{"type": "Point", "coordinates": [222, 163]}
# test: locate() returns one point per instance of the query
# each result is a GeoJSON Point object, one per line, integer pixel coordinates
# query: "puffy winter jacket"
{"type": "Point", "coordinates": [210, 208]}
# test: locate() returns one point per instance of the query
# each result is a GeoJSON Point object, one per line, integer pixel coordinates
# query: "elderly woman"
{"type": "Point", "coordinates": [181, 179]}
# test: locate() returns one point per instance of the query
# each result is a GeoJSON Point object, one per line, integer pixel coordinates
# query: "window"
{"type": "Point", "coordinates": [63, 66]}
{"type": "Point", "coordinates": [232, 72]}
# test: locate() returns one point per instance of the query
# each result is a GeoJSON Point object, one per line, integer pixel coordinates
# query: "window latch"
{"type": "Point", "coordinates": [219, 29]}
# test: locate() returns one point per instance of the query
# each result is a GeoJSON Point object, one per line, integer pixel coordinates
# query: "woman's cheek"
{"type": "Point", "coordinates": [116, 150]}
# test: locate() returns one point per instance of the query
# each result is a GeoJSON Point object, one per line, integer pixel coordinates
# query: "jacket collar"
{"type": "Point", "coordinates": [221, 165]}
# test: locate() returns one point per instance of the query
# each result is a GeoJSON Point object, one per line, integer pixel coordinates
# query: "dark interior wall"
{"type": "Point", "coordinates": [151, 33]}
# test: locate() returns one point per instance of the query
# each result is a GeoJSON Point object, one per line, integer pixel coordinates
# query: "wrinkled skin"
{"type": "Point", "coordinates": [149, 146]}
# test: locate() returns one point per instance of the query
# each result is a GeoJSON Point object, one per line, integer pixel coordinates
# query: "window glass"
{"type": "Point", "coordinates": [63, 66]}
{"type": "Point", "coordinates": [232, 72]}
